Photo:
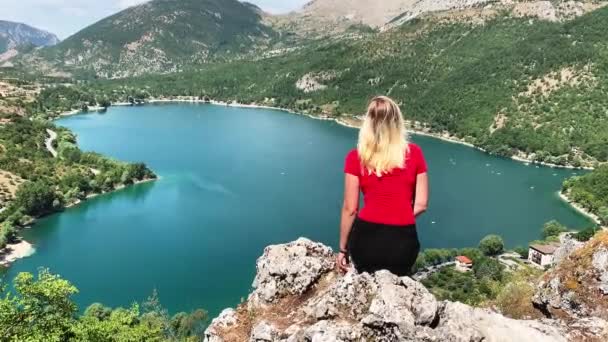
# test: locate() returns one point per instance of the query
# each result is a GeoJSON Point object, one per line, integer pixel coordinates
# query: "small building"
{"type": "Point", "coordinates": [542, 255]}
{"type": "Point", "coordinates": [463, 264]}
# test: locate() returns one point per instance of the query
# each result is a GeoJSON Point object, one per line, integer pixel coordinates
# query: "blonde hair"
{"type": "Point", "coordinates": [382, 139]}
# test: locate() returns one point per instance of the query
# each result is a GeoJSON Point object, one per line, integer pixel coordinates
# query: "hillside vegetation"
{"type": "Point", "coordinates": [512, 86]}
{"type": "Point", "coordinates": [591, 192]}
{"type": "Point", "coordinates": [160, 36]}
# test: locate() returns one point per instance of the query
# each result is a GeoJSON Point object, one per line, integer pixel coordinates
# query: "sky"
{"type": "Point", "coordinates": [66, 17]}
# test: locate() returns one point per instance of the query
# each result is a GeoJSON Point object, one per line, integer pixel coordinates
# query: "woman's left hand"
{"type": "Point", "coordinates": [342, 262]}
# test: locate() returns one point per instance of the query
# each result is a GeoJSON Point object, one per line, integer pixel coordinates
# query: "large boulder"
{"type": "Point", "coordinates": [567, 246]}
{"type": "Point", "coordinates": [297, 297]}
{"type": "Point", "coordinates": [289, 269]}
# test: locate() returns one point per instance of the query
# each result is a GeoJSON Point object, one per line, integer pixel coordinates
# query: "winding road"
{"type": "Point", "coordinates": [49, 142]}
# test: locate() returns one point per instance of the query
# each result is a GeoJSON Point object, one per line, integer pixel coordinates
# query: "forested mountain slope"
{"type": "Point", "coordinates": [512, 86]}
{"type": "Point", "coordinates": [160, 36]}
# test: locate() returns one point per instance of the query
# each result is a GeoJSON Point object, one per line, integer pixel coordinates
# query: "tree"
{"type": "Point", "coordinates": [471, 253]}
{"type": "Point", "coordinates": [491, 245]}
{"type": "Point", "coordinates": [40, 310]}
{"type": "Point", "coordinates": [553, 229]}
{"type": "Point", "coordinates": [586, 234]}
{"type": "Point", "coordinates": [105, 103]}
{"type": "Point", "coordinates": [488, 268]}
{"type": "Point", "coordinates": [35, 198]}
{"type": "Point", "coordinates": [603, 215]}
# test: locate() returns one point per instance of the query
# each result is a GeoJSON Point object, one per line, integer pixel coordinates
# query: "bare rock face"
{"type": "Point", "coordinates": [289, 269]}
{"type": "Point", "coordinates": [568, 245]}
{"type": "Point", "coordinates": [600, 263]}
{"type": "Point", "coordinates": [576, 291]}
{"type": "Point", "coordinates": [298, 297]}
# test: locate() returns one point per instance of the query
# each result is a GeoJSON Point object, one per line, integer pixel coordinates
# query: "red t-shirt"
{"type": "Point", "coordinates": [388, 199]}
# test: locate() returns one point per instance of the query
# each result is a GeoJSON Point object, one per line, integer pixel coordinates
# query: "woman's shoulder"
{"type": "Point", "coordinates": [414, 148]}
{"type": "Point", "coordinates": [352, 154]}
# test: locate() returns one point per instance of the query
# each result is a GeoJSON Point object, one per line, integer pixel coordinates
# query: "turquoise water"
{"type": "Point", "coordinates": [236, 180]}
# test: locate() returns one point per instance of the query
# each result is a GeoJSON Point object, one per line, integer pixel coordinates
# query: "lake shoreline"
{"type": "Point", "coordinates": [15, 251]}
{"type": "Point", "coordinates": [351, 122]}
{"type": "Point", "coordinates": [580, 209]}
{"type": "Point", "coordinates": [354, 122]}
{"type": "Point", "coordinates": [24, 249]}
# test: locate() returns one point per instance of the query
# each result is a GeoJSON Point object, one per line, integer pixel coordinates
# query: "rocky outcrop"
{"type": "Point", "coordinates": [298, 297]}
{"type": "Point", "coordinates": [568, 245]}
{"type": "Point", "coordinates": [576, 290]}
{"type": "Point", "coordinates": [312, 82]}
{"type": "Point", "coordinates": [17, 34]}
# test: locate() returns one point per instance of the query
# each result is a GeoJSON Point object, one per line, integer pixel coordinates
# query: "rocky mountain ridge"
{"type": "Point", "coordinates": [161, 36]}
{"type": "Point", "coordinates": [16, 36]}
{"type": "Point", "coordinates": [298, 297]}
{"type": "Point", "coordinates": [167, 36]}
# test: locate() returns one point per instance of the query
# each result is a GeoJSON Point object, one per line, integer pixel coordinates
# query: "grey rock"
{"type": "Point", "coordinates": [226, 319]}
{"type": "Point", "coordinates": [361, 307]}
{"type": "Point", "coordinates": [600, 260]}
{"type": "Point", "coordinates": [568, 245]}
{"type": "Point", "coordinates": [351, 293]}
{"type": "Point", "coordinates": [333, 331]}
{"type": "Point", "coordinates": [263, 332]}
{"type": "Point", "coordinates": [600, 263]}
{"type": "Point", "coordinates": [460, 322]}
{"type": "Point", "coordinates": [400, 302]}
{"type": "Point", "coordinates": [289, 269]}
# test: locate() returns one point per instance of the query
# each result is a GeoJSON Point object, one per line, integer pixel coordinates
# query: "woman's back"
{"type": "Point", "coordinates": [391, 174]}
{"type": "Point", "coordinates": [388, 198]}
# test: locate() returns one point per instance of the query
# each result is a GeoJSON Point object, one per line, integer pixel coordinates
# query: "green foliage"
{"type": "Point", "coordinates": [522, 251]}
{"type": "Point", "coordinates": [586, 234]}
{"type": "Point", "coordinates": [602, 213]}
{"type": "Point", "coordinates": [42, 309]}
{"type": "Point", "coordinates": [53, 182]}
{"type": "Point", "coordinates": [591, 191]}
{"type": "Point", "coordinates": [36, 198]}
{"type": "Point", "coordinates": [491, 245]}
{"type": "Point", "coordinates": [553, 229]}
{"type": "Point", "coordinates": [449, 284]}
{"type": "Point", "coordinates": [8, 234]}
{"type": "Point", "coordinates": [488, 268]}
{"type": "Point", "coordinates": [192, 31]}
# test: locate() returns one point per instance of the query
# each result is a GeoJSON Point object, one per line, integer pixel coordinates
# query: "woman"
{"type": "Point", "coordinates": [392, 175]}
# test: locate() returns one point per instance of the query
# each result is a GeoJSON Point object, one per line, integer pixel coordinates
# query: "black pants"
{"type": "Point", "coordinates": [374, 247]}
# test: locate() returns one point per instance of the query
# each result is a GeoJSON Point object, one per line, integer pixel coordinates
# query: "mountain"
{"type": "Point", "coordinates": [15, 34]}
{"type": "Point", "coordinates": [162, 36]}
{"type": "Point", "coordinates": [16, 37]}
{"type": "Point", "coordinates": [322, 17]}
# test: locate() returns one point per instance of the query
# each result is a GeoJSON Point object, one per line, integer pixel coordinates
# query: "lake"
{"type": "Point", "coordinates": [234, 180]}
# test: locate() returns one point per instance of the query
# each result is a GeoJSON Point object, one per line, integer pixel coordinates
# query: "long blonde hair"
{"type": "Point", "coordinates": [383, 138]}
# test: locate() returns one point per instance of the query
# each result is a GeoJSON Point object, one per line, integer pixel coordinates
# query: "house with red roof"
{"type": "Point", "coordinates": [463, 263]}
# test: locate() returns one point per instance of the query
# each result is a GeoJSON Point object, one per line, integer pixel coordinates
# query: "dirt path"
{"type": "Point", "coordinates": [49, 142]}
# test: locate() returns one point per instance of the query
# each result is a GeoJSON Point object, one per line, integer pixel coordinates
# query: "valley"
{"type": "Point", "coordinates": [190, 87]}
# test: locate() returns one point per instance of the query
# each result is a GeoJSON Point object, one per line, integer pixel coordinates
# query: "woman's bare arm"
{"type": "Point", "coordinates": [349, 208]}
{"type": "Point", "coordinates": [349, 212]}
{"type": "Point", "coordinates": [422, 194]}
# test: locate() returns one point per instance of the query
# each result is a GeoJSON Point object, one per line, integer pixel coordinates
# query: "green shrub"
{"type": "Point", "coordinates": [491, 245]}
